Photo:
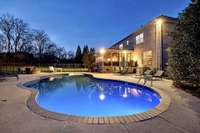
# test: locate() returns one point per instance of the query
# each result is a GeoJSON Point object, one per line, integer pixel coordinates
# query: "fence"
{"type": "Point", "coordinates": [16, 68]}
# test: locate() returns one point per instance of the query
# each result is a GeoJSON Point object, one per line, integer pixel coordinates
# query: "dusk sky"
{"type": "Point", "coordinates": [97, 23]}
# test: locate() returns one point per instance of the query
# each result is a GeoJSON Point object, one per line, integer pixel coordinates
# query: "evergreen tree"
{"type": "Point", "coordinates": [89, 59]}
{"type": "Point", "coordinates": [85, 50]}
{"type": "Point", "coordinates": [92, 56]}
{"type": "Point", "coordinates": [78, 56]}
{"type": "Point", "coordinates": [184, 55]}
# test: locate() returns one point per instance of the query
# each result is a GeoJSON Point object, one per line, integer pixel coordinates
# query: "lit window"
{"type": "Point", "coordinates": [140, 38]}
{"type": "Point", "coordinates": [127, 42]}
{"type": "Point", "coordinates": [147, 58]}
{"type": "Point", "coordinates": [121, 46]}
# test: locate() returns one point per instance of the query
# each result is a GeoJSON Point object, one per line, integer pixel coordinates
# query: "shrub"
{"type": "Point", "coordinates": [184, 55]}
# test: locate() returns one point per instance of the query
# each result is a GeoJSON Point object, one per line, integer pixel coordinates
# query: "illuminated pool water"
{"type": "Point", "coordinates": [88, 96]}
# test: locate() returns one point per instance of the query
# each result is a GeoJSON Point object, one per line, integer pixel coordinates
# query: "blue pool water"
{"type": "Point", "coordinates": [87, 96]}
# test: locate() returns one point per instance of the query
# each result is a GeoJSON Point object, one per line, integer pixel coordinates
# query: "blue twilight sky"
{"type": "Point", "coordinates": [97, 23]}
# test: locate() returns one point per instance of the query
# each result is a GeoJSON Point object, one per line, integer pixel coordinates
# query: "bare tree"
{"type": "Point", "coordinates": [40, 41]}
{"type": "Point", "coordinates": [51, 49]}
{"type": "Point", "coordinates": [26, 44]}
{"type": "Point", "coordinates": [6, 27]}
{"type": "Point", "coordinates": [20, 33]}
{"type": "Point", "coordinates": [2, 43]}
{"type": "Point", "coordinates": [61, 53]}
{"type": "Point", "coordinates": [16, 36]}
{"type": "Point", "coordinates": [14, 32]}
{"type": "Point", "coordinates": [70, 55]}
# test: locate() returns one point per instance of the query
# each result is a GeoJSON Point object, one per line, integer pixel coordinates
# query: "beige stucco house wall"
{"type": "Point", "coordinates": [151, 52]}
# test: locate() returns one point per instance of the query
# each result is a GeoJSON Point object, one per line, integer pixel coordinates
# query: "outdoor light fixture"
{"type": "Point", "coordinates": [114, 59]}
{"type": "Point", "coordinates": [102, 51]}
{"type": "Point", "coordinates": [159, 21]}
{"type": "Point", "coordinates": [125, 52]}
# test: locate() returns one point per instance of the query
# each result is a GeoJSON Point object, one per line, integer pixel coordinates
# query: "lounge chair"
{"type": "Point", "coordinates": [158, 74]}
{"type": "Point", "coordinates": [51, 69]}
{"type": "Point", "coordinates": [147, 73]}
{"type": "Point", "coordinates": [4, 75]}
{"type": "Point", "coordinates": [140, 73]}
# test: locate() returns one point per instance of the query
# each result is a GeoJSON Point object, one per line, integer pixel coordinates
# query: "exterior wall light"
{"type": "Point", "coordinates": [102, 51]}
{"type": "Point", "coordinates": [159, 21]}
{"type": "Point", "coordinates": [125, 52]}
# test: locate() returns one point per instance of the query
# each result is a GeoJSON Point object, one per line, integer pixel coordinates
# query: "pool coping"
{"type": "Point", "coordinates": [34, 107]}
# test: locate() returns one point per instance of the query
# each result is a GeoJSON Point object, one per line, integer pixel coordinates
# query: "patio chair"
{"type": "Point", "coordinates": [4, 75]}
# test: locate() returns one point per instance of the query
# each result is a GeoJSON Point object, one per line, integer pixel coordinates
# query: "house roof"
{"type": "Point", "coordinates": [166, 18]}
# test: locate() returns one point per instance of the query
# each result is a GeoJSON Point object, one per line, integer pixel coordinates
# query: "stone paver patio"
{"type": "Point", "coordinates": [183, 115]}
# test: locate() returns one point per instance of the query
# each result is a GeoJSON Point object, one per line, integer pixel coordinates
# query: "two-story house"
{"type": "Point", "coordinates": [146, 47]}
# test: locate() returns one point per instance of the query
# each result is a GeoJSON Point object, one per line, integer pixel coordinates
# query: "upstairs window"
{"type": "Point", "coordinates": [127, 42]}
{"type": "Point", "coordinates": [121, 46]}
{"type": "Point", "coordinates": [140, 38]}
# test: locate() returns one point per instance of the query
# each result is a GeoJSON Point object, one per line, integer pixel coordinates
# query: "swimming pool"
{"type": "Point", "coordinates": [83, 95]}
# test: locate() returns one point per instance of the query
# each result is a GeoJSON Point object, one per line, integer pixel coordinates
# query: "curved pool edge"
{"type": "Point", "coordinates": [34, 107]}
